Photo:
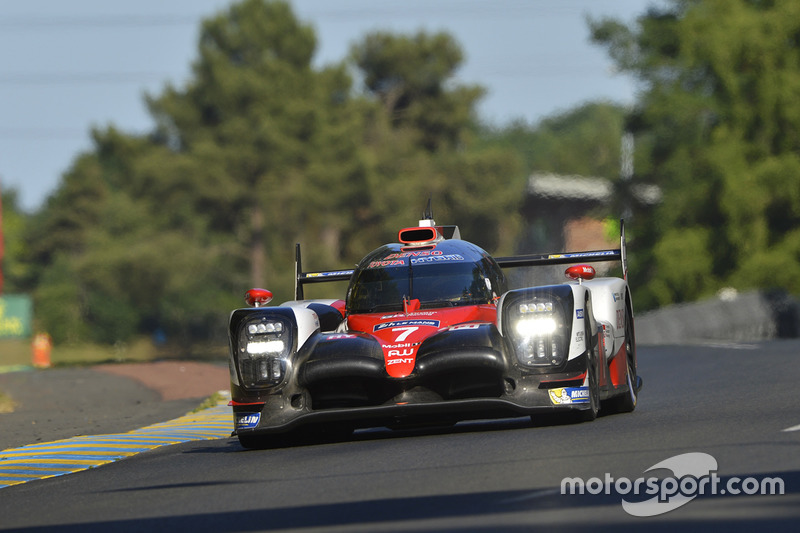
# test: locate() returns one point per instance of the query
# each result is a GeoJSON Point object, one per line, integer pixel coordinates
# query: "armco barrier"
{"type": "Point", "coordinates": [729, 317]}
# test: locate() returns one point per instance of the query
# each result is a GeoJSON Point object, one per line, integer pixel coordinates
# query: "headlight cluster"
{"type": "Point", "coordinates": [264, 347]}
{"type": "Point", "coordinates": [537, 329]}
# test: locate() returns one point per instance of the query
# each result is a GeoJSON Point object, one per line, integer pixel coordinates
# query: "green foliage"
{"type": "Point", "coordinates": [408, 75]}
{"type": "Point", "coordinates": [584, 141]}
{"type": "Point", "coordinates": [16, 271]}
{"type": "Point", "coordinates": [721, 126]}
{"type": "Point", "coordinates": [59, 303]}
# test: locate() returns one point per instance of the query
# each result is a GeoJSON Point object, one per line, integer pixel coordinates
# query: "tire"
{"type": "Point", "coordinates": [626, 403]}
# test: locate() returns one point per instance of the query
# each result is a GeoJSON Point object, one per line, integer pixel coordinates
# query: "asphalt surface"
{"type": "Point", "coordinates": [59, 403]}
{"type": "Point", "coordinates": [737, 403]}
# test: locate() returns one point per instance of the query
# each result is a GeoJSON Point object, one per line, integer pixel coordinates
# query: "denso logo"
{"type": "Point", "coordinates": [400, 361]}
{"type": "Point", "coordinates": [413, 254]}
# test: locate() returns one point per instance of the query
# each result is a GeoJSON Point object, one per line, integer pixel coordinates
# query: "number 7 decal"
{"type": "Point", "coordinates": [406, 332]}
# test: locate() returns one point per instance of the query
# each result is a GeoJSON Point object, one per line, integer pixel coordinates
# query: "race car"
{"type": "Point", "coordinates": [429, 333]}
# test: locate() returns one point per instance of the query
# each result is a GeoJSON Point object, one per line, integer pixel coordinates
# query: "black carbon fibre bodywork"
{"type": "Point", "coordinates": [460, 374]}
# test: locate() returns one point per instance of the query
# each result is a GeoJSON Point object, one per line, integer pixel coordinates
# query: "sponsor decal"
{"type": "Point", "coordinates": [326, 274]}
{"type": "Point", "coordinates": [436, 259]}
{"type": "Point", "coordinates": [401, 323]}
{"type": "Point", "coordinates": [381, 264]}
{"type": "Point", "coordinates": [247, 420]}
{"type": "Point", "coordinates": [601, 253]}
{"type": "Point", "coordinates": [403, 315]}
{"type": "Point", "coordinates": [569, 395]}
{"type": "Point", "coordinates": [339, 336]}
{"type": "Point", "coordinates": [422, 253]}
{"type": "Point", "coordinates": [399, 361]}
{"type": "Point", "coordinates": [579, 313]}
{"type": "Point", "coordinates": [401, 345]}
{"type": "Point", "coordinates": [465, 326]}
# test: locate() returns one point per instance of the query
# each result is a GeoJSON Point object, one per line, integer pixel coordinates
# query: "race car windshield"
{"type": "Point", "coordinates": [434, 285]}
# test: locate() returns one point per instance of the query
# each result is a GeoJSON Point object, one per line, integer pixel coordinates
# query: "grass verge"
{"type": "Point", "coordinates": [19, 352]}
{"type": "Point", "coordinates": [211, 401]}
{"type": "Point", "coordinates": [14, 352]}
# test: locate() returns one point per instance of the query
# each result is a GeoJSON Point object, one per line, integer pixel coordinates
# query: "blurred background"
{"type": "Point", "coordinates": [159, 159]}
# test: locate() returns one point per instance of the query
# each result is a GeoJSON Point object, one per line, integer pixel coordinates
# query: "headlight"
{"type": "Point", "coordinates": [264, 347]}
{"type": "Point", "coordinates": [533, 327]}
{"type": "Point", "coordinates": [536, 327]}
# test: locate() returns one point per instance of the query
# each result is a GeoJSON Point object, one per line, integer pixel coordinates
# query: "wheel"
{"type": "Point", "coordinates": [626, 402]}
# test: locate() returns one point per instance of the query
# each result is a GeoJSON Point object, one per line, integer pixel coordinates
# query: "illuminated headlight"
{"type": "Point", "coordinates": [537, 329]}
{"type": "Point", "coordinates": [264, 348]}
{"type": "Point", "coordinates": [265, 327]}
{"type": "Point", "coordinates": [536, 308]}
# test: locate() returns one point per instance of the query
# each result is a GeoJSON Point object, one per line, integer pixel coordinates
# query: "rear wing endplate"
{"type": "Point", "coordinates": [302, 278]}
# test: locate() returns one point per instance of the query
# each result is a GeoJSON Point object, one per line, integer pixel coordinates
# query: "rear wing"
{"type": "Point", "coordinates": [596, 256]}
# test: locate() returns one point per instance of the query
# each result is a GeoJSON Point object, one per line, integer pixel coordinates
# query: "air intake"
{"type": "Point", "coordinates": [419, 235]}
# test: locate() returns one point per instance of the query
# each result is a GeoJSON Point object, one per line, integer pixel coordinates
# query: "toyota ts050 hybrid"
{"type": "Point", "coordinates": [429, 333]}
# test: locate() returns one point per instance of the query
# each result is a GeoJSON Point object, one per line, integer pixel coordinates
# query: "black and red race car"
{"type": "Point", "coordinates": [429, 333]}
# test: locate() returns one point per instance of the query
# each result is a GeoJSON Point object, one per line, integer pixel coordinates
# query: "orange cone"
{"type": "Point", "coordinates": [42, 345]}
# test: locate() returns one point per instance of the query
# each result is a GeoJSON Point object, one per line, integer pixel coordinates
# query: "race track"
{"type": "Point", "coordinates": [738, 404]}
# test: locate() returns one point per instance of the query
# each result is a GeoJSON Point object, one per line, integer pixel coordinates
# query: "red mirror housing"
{"type": "Point", "coordinates": [580, 272]}
{"type": "Point", "coordinates": [258, 297]}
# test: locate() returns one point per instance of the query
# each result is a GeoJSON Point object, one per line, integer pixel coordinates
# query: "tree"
{"type": "Point", "coordinates": [719, 118]}
{"type": "Point", "coordinates": [583, 141]}
{"type": "Point", "coordinates": [15, 271]}
{"type": "Point", "coordinates": [408, 75]}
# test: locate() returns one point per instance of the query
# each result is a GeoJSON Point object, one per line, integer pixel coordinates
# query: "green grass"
{"type": "Point", "coordinates": [15, 352]}
{"type": "Point", "coordinates": [211, 401]}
